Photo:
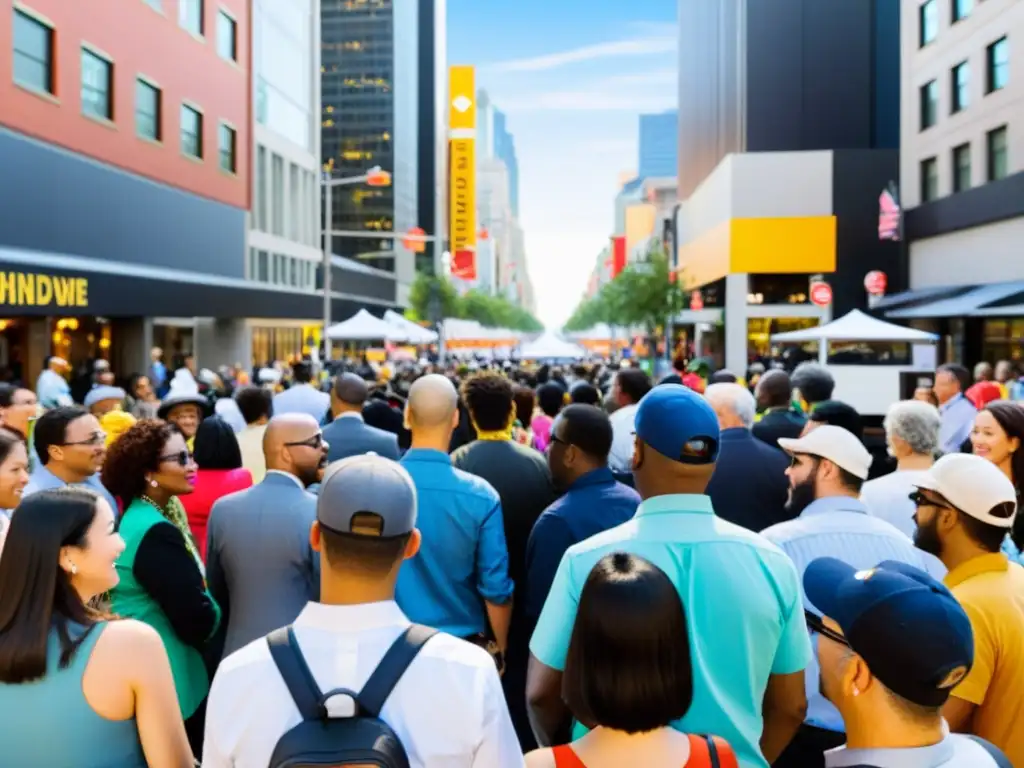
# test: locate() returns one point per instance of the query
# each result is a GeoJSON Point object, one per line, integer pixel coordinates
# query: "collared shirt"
{"type": "Point", "coordinates": [620, 459]}
{"type": "Point", "coordinates": [250, 443]}
{"type": "Point", "coordinates": [957, 421]}
{"type": "Point", "coordinates": [954, 751]}
{"type": "Point", "coordinates": [840, 527]}
{"type": "Point", "coordinates": [350, 415]}
{"type": "Point", "coordinates": [465, 725]}
{"type": "Point", "coordinates": [289, 475]}
{"type": "Point", "coordinates": [741, 595]}
{"type": "Point", "coordinates": [594, 503]}
{"type": "Point", "coordinates": [52, 390]}
{"type": "Point", "coordinates": [888, 498]}
{"type": "Point", "coordinates": [991, 591]}
{"type": "Point", "coordinates": [42, 479]}
{"type": "Point", "coordinates": [463, 556]}
{"type": "Point", "coordinates": [303, 398]}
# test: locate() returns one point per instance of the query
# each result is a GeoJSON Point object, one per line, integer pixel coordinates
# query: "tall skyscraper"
{"type": "Point", "coordinates": [505, 150]}
{"type": "Point", "coordinates": [370, 101]}
{"type": "Point", "coordinates": [659, 141]}
{"type": "Point", "coordinates": [432, 188]}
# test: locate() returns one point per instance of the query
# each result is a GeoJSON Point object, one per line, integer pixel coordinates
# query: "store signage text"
{"type": "Point", "coordinates": [28, 289]}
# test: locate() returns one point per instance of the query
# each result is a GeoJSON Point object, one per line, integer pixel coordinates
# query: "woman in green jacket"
{"type": "Point", "coordinates": [162, 580]}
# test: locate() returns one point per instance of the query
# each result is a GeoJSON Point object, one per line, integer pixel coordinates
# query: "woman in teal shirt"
{"type": "Point", "coordinates": [162, 581]}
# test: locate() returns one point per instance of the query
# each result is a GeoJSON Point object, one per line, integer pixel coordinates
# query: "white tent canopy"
{"type": "Point", "coordinates": [857, 326]}
{"type": "Point", "coordinates": [550, 347]}
{"type": "Point", "coordinates": [416, 334]}
{"type": "Point", "coordinates": [599, 332]}
{"type": "Point", "coordinates": [363, 326]}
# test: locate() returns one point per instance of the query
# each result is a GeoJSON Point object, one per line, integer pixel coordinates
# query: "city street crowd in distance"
{"type": "Point", "coordinates": [427, 564]}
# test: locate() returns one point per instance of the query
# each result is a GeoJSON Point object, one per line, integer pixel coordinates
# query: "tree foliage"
{"type": "Point", "coordinates": [643, 294]}
{"type": "Point", "coordinates": [490, 311]}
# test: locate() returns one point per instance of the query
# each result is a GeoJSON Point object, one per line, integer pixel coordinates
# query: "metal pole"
{"type": "Point", "coordinates": [328, 222]}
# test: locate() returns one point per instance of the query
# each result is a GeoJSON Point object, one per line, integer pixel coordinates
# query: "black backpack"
{"type": "Point", "coordinates": [361, 740]}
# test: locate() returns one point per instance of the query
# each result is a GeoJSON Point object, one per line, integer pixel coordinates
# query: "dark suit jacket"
{"type": "Point", "coordinates": [749, 486]}
{"type": "Point", "coordinates": [779, 423]}
{"type": "Point", "coordinates": [351, 436]}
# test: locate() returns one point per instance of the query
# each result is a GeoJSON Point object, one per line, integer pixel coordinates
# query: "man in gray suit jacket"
{"type": "Point", "coordinates": [260, 566]}
{"type": "Point", "coordinates": [348, 434]}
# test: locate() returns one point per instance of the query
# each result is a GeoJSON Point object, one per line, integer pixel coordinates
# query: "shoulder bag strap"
{"type": "Point", "coordinates": [993, 751]}
{"type": "Point", "coordinates": [391, 668]}
{"type": "Point", "coordinates": [284, 649]}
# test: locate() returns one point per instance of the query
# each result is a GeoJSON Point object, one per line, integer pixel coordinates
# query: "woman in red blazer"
{"type": "Point", "coordinates": [220, 472]}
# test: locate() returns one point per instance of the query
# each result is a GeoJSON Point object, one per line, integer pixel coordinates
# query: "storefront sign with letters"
{"type": "Point", "coordinates": [34, 289]}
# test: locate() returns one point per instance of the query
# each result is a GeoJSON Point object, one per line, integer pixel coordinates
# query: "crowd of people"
{"type": "Point", "coordinates": [498, 565]}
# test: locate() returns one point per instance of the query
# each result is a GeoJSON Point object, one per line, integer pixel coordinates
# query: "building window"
{"type": "Point", "coordinates": [929, 179]}
{"type": "Point", "coordinates": [147, 110]}
{"type": "Point", "coordinates": [277, 195]}
{"type": "Point", "coordinates": [228, 144]}
{"type": "Point", "coordinates": [997, 64]}
{"type": "Point", "coordinates": [227, 37]}
{"type": "Point", "coordinates": [295, 202]}
{"type": "Point", "coordinates": [961, 167]}
{"type": "Point", "coordinates": [33, 53]}
{"type": "Point", "coordinates": [191, 131]}
{"type": "Point", "coordinates": [190, 16]}
{"type": "Point", "coordinates": [261, 188]}
{"type": "Point", "coordinates": [962, 9]}
{"type": "Point", "coordinates": [97, 86]}
{"type": "Point", "coordinates": [928, 22]}
{"type": "Point", "coordinates": [929, 104]}
{"type": "Point", "coordinates": [960, 96]}
{"type": "Point", "coordinates": [997, 153]}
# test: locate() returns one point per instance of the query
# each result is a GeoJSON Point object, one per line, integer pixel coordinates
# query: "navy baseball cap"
{"type": "Point", "coordinates": [367, 488]}
{"type": "Point", "coordinates": [679, 424]}
{"type": "Point", "coordinates": [908, 627]}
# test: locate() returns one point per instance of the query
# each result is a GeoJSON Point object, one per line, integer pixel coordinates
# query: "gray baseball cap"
{"type": "Point", "coordinates": [368, 484]}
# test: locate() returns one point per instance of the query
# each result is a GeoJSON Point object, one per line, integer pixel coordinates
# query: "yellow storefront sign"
{"type": "Point", "coordinates": [463, 195]}
{"type": "Point", "coordinates": [29, 289]}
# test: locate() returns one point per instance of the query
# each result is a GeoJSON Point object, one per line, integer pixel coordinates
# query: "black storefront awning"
{"type": "Point", "coordinates": [33, 283]}
{"type": "Point", "coordinates": [973, 302]}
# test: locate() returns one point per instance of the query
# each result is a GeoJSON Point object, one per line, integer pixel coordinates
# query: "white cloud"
{"type": "Point", "coordinates": [637, 46]}
{"type": "Point", "coordinates": [656, 77]}
{"type": "Point", "coordinates": [592, 100]}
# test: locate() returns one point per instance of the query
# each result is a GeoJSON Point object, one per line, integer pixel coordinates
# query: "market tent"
{"type": "Point", "coordinates": [857, 326]}
{"type": "Point", "coordinates": [416, 334]}
{"type": "Point", "coordinates": [363, 326]}
{"type": "Point", "coordinates": [551, 347]}
{"type": "Point", "coordinates": [599, 332]}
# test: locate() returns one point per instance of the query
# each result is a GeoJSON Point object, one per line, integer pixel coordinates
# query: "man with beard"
{"type": "Point", "coordinates": [892, 644]}
{"type": "Point", "coordinates": [829, 466]}
{"type": "Point", "coordinates": [261, 567]}
{"type": "Point", "coordinates": [965, 508]}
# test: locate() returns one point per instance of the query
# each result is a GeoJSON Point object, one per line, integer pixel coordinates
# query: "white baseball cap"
{"type": "Point", "coordinates": [836, 444]}
{"type": "Point", "coordinates": [973, 485]}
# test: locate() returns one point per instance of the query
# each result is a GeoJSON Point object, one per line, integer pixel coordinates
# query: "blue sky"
{"type": "Point", "coordinates": [572, 76]}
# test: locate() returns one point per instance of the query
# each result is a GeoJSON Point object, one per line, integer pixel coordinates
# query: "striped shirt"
{"type": "Point", "coordinates": [840, 527]}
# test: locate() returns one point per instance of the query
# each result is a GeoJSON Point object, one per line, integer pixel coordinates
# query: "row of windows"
{"type": "Point", "coordinates": [997, 73]}
{"type": "Point", "coordinates": [192, 18]}
{"type": "Point", "coordinates": [281, 269]}
{"type": "Point", "coordinates": [34, 69]}
{"type": "Point", "coordinates": [928, 18]}
{"type": "Point", "coordinates": [996, 165]}
{"type": "Point", "coordinates": [290, 211]}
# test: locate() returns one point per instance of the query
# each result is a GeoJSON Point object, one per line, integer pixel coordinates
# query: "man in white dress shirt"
{"type": "Point", "coordinates": [447, 710]}
{"type": "Point", "coordinates": [628, 389]}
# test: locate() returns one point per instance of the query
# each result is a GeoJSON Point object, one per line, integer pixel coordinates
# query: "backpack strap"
{"type": "Point", "coordinates": [997, 756]}
{"type": "Point", "coordinates": [284, 649]}
{"type": "Point", "coordinates": [711, 752]}
{"type": "Point", "coordinates": [391, 668]}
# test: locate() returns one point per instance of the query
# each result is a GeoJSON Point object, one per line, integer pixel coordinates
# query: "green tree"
{"type": "Point", "coordinates": [423, 288]}
{"type": "Point", "coordinates": [490, 311]}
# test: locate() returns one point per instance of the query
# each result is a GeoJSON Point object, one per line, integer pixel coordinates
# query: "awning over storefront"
{"type": "Point", "coordinates": [969, 303]}
{"type": "Point", "coordinates": [919, 296]}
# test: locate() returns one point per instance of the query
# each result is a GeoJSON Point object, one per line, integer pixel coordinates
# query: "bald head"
{"type": "Point", "coordinates": [294, 444]}
{"type": "Point", "coordinates": [351, 390]}
{"type": "Point", "coordinates": [288, 428]}
{"type": "Point", "coordinates": [432, 403]}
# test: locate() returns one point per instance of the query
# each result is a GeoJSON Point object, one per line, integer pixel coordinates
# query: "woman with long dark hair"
{"type": "Point", "coordinates": [13, 476]}
{"type": "Point", "coordinates": [77, 688]}
{"type": "Point", "coordinates": [998, 436]}
{"type": "Point", "coordinates": [162, 581]}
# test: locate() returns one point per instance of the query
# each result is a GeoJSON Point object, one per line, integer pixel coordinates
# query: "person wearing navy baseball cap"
{"type": "Point", "coordinates": [741, 594]}
{"type": "Point", "coordinates": [892, 644]}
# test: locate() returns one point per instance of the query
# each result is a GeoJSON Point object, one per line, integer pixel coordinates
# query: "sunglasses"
{"type": "Point", "coordinates": [97, 438]}
{"type": "Point", "coordinates": [181, 458]}
{"type": "Point", "coordinates": [920, 500]}
{"type": "Point", "coordinates": [815, 624]}
{"type": "Point", "coordinates": [316, 442]}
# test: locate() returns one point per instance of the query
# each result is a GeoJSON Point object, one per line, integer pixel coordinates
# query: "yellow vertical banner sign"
{"type": "Point", "coordinates": [462, 170]}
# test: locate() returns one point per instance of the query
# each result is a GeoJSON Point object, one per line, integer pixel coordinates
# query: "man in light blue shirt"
{"type": "Point", "coordinates": [458, 582]}
{"type": "Point", "coordinates": [957, 411]}
{"type": "Point", "coordinates": [748, 637]}
{"type": "Point", "coordinates": [302, 396]}
{"type": "Point", "coordinates": [52, 388]}
{"type": "Point", "coordinates": [71, 448]}
{"type": "Point", "coordinates": [829, 467]}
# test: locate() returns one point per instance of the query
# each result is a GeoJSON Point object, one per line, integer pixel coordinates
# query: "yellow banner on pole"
{"type": "Point", "coordinates": [461, 98]}
{"type": "Point", "coordinates": [462, 171]}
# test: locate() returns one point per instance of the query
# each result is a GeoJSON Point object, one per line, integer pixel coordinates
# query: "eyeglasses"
{"type": "Point", "coordinates": [181, 458]}
{"type": "Point", "coordinates": [816, 624]}
{"type": "Point", "coordinates": [315, 442]}
{"type": "Point", "coordinates": [920, 500]}
{"type": "Point", "coordinates": [97, 438]}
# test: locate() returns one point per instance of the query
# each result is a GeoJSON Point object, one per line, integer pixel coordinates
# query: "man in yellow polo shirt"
{"type": "Point", "coordinates": [965, 508]}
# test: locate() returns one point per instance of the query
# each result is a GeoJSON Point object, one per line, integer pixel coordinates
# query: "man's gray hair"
{"type": "Point", "coordinates": [916, 423]}
{"type": "Point", "coordinates": [736, 398]}
{"type": "Point", "coordinates": [814, 381]}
